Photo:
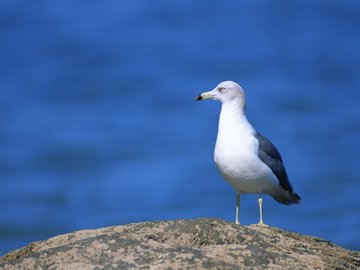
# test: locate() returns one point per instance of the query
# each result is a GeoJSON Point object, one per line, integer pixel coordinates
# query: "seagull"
{"type": "Point", "coordinates": [248, 161]}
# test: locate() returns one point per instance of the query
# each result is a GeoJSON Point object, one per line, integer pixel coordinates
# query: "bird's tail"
{"type": "Point", "coordinates": [287, 197]}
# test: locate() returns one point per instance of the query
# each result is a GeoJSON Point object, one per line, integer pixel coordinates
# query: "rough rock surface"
{"type": "Point", "coordinates": [182, 244]}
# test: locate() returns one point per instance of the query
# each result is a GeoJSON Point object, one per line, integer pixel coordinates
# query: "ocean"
{"type": "Point", "coordinates": [100, 126]}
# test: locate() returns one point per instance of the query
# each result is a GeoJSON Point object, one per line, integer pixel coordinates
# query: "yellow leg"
{"type": "Point", "coordinates": [260, 209]}
{"type": "Point", "coordinates": [237, 208]}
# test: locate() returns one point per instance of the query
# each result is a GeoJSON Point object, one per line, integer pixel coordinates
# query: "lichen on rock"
{"type": "Point", "coordinates": [182, 244]}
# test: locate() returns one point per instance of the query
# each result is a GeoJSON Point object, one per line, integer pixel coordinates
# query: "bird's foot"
{"type": "Point", "coordinates": [261, 223]}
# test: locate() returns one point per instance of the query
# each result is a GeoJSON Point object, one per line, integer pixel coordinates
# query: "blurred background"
{"type": "Point", "coordinates": [100, 127]}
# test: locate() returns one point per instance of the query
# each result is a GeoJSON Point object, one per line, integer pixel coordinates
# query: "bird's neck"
{"type": "Point", "coordinates": [233, 118]}
{"type": "Point", "coordinates": [235, 132]}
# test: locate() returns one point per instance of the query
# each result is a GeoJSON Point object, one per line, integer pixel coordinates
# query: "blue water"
{"type": "Point", "coordinates": [99, 125]}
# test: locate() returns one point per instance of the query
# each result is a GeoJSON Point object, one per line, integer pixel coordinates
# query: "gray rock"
{"type": "Point", "coordinates": [182, 244]}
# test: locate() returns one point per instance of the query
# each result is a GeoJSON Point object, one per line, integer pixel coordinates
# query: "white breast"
{"type": "Point", "coordinates": [236, 154]}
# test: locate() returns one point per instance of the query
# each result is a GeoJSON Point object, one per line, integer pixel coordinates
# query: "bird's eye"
{"type": "Point", "coordinates": [221, 89]}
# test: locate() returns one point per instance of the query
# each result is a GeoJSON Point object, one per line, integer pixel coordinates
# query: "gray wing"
{"type": "Point", "coordinates": [271, 157]}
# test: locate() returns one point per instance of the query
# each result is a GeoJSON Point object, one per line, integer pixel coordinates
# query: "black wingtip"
{"type": "Point", "coordinates": [287, 198]}
{"type": "Point", "coordinates": [199, 97]}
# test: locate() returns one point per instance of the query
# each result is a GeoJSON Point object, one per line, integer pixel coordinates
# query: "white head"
{"type": "Point", "coordinates": [227, 92]}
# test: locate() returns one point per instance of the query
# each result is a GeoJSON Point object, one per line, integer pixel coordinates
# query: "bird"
{"type": "Point", "coordinates": [247, 160]}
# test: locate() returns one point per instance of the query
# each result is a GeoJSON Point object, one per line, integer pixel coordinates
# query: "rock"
{"type": "Point", "coordinates": [182, 244]}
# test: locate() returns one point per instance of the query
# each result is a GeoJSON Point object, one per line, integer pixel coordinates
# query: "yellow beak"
{"type": "Point", "coordinates": [205, 95]}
